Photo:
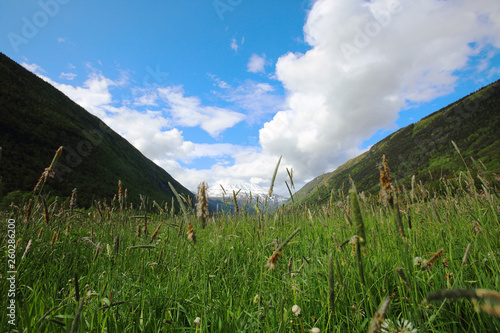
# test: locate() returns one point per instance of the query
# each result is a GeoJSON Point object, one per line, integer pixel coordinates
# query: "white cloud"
{"type": "Point", "coordinates": [256, 64]}
{"type": "Point", "coordinates": [367, 60]}
{"type": "Point", "coordinates": [153, 132]}
{"type": "Point", "coordinates": [68, 76]}
{"type": "Point", "coordinates": [148, 98]}
{"type": "Point", "coordinates": [33, 68]}
{"type": "Point", "coordinates": [188, 111]}
{"type": "Point", "coordinates": [249, 165]}
{"type": "Point", "coordinates": [255, 99]}
{"type": "Point", "coordinates": [92, 96]}
{"type": "Point", "coordinates": [234, 44]}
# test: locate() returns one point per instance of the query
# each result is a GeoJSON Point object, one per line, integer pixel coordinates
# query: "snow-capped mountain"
{"type": "Point", "coordinates": [224, 189]}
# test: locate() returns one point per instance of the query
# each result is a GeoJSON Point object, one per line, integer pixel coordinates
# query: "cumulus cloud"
{"type": "Point", "coordinates": [254, 99]}
{"type": "Point", "coordinates": [188, 111]}
{"type": "Point", "coordinates": [367, 61]}
{"type": "Point", "coordinates": [147, 98]}
{"type": "Point", "coordinates": [257, 63]}
{"type": "Point", "coordinates": [92, 96]}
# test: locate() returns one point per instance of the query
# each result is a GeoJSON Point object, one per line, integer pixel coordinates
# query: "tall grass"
{"type": "Point", "coordinates": [440, 275]}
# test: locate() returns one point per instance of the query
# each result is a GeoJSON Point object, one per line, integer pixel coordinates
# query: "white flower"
{"type": "Point", "coordinates": [401, 326]}
{"type": "Point", "coordinates": [296, 310]}
{"type": "Point", "coordinates": [417, 261]}
{"type": "Point", "coordinates": [315, 330]}
{"type": "Point", "coordinates": [91, 293]}
{"type": "Point", "coordinates": [197, 321]}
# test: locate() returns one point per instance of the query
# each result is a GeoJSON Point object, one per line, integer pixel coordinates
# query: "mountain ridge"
{"type": "Point", "coordinates": [247, 193]}
{"type": "Point", "coordinates": [423, 148]}
{"type": "Point", "coordinates": [37, 119]}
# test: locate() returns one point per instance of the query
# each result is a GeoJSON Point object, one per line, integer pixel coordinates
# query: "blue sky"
{"type": "Point", "coordinates": [217, 90]}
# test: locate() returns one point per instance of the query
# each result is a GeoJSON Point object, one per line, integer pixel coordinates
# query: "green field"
{"type": "Point", "coordinates": [112, 268]}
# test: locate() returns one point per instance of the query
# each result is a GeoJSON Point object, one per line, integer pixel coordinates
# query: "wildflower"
{"type": "Point", "coordinates": [296, 310]}
{"type": "Point", "coordinates": [401, 326]}
{"type": "Point", "coordinates": [315, 330]}
{"type": "Point", "coordinates": [256, 299]}
{"type": "Point", "coordinates": [197, 321]}
{"type": "Point", "coordinates": [417, 261]}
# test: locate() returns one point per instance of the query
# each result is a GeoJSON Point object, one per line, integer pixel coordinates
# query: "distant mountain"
{"type": "Point", "coordinates": [36, 119]}
{"type": "Point", "coordinates": [424, 149]}
{"type": "Point", "coordinates": [247, 194]}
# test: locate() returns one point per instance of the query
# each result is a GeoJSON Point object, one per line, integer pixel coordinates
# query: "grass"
{"type": "Point", "coordinates": [90, 271]}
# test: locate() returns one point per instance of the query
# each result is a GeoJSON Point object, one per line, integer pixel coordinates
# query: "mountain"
{"type": "Point", "coordinates": [425, 149]}
{"type": "Point", "coordinates": [247, 194]}
{"type": "Point", "coordinates": [36, 119]}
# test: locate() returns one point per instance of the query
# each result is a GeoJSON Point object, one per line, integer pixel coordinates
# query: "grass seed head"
{"type": "Point", "coordinates": [116, 244]}
{"type": "Point", "coordinates": [40, 233]}
{"type": "Point", "coordinates": [427, 264]}
{"type": "Point", "coordinates": [202, 203]}
{"type": "Point", "coordinates": [28, 247]}
{"type": "Point", "coordinates": [72, 201]}
{"type": "Point", "coordinates": [155, 233]}
{"type": "Point", "coordinates": [191, 234]}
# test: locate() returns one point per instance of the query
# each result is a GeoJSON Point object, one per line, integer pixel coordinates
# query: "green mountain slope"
{"type": "Point", "coordinates": [424, 149]}
{"type": "Point", "coordinates": [36, 119]}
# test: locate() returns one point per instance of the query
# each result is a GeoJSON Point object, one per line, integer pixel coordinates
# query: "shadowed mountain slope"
{"type": "Point", "coordinates": [36, 119]}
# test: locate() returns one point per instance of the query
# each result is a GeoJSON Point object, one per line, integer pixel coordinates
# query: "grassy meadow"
{"type": "Point", "coordinates": [408, 260]}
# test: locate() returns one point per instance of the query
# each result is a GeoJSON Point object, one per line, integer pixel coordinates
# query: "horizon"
{"type": "Point", "coordinates": [318, 82]}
